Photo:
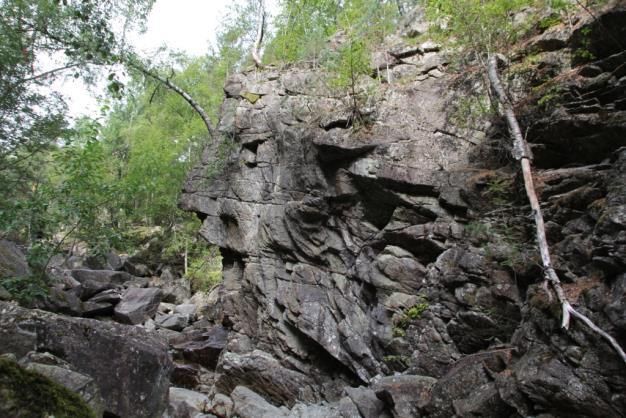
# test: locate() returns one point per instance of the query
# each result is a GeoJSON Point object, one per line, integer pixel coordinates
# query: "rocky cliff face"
{"type": "Point", "coordinates": [387, 265]}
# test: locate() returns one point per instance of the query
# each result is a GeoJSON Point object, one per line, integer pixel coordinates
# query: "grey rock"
{"type": "Point", "coordinates": [405, 395]}
{"type": "Point", "coordinates": [188, 309]}
{"type": "Point", "coordinates": [367, 402]}
{"type": "Point", "coordinates": [248, 404]}
{"type": "Point", "coordinates": [84, 385]}
{"type": "Point", "coordinates": [185, 375]}
{"type": "Point", "coordinates": [264, 374]}
{"type": "Point", "coordinates": [96, 281]}
{"type": "Point", "coordinates": [130, 367]}
{"type": "Point", "coordinates": [331, 233]}
{"type": "Point", "coordinates": [174, 322]}
{"type": "Point", "coordinates": [114, 261]}
{"type": "Point", "coordinates": [136, 268]}
{"type": "Point", "coordinates": [203, 347]}
{"type": "Point", "coordinates": [4, 294]}
{"type": "Point", "coordinates": [93, 309]}
{"type": "Point", "coordinates": [185, 403]}
{"type": "Point", "coordinates": [65, 301]}
{"type": "Point", "coordinates": [137, 305]}
{"type": "Point", "coordinates": [221, 406]}
{"type": "Point", "coordinates": [12, 260]}
{"type": "Point", "coordinates": [175, 290]}
{"type": "Point", "coordinates": [112, 296]}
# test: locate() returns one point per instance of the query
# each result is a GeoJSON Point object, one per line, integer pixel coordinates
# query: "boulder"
{"type": "Point", "coordinates": [136, 269]}
{"type": "Point", "coordinates": [203, 347]}
{"type": "Point", "coordinates": [130, 367]}
{"type": "Point", "coordinates": [248, 404]}
{"type": "Point", "coordinates": [26, 393]}
{"type": "Point", "coordinates": [12, 260]}
{"type": "Point", "coordinates": [185, 375]}
{"type": "Point", "coordinates": [64, 301]}
{"type": "Point", "coordinates": [188, 309]}
{"type": "Point", "coordinates": [174, 322]}
{"type": "Point", "coordinates": [263, 373]}
{"type": "Point", "coordinates": [96, 281]}
{"type": "Point", "coordinates": [93, 309]}
{"type": "Point", "coordinates": [137, 305]}
{"type": "Point", "coordinates": [175, 290]}
{"type": "Point", "coordinates": [406, 395]}
{"type": "Point", "coordinates": [222, 405]}
{"type": "Point", "coordinates": [112, 296]}
{"type": "Point", "coordinates": [83, 385]}
{"type": "Point", "coordinates": [367, 402]}
{"type": "Point", "coordinates": [185, 403]}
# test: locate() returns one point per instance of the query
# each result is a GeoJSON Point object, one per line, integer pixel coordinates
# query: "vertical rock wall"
{"type": "Point", "coordinates": [400, 243]}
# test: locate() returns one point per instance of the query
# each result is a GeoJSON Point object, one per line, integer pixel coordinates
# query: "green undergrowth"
{"type": "Point", "coordinates": [26, 394]}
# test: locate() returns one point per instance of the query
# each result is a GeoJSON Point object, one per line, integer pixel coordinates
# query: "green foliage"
{"type": "Point", "coordinates": [480, 25]}
{"type": "Point", "coordinates": [302, 29]}
{"type": "Point", "coordinates": [417, 310]}
{"type": "Point", "coordinates": [25, 289]}
{"type": "Point", "coordinates": [24, 393]}
{"type": "Point", "coordinates": [549, 21]}
{"type": "Point", "coordinates": [398, 332]}
{"type": "Point", "coordinates": [401, 360]}
{"type": "Point", "coordinates": [469, 111]}
{"type": "Point", "coordinates": [205, 269]}
{"type": "Point", "coordinates": [583, 53]}
{"type": "Point", "coordinates": [411, 314]}
{"type": "Point", "coordinates": [499, 190]}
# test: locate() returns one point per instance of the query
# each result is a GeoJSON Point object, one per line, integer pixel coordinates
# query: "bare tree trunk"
{"type": "Point", "coordinates": [167, 83]}
{"type": "Point", "coordinates": [522, 153]}
{"type": "Point", "coordinates": [260, 32]}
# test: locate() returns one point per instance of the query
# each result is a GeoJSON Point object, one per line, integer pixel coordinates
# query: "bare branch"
{"type": "Point", "coordinates": [167, 83]}
{"type": "Point", "coordinates": [260, 32]}
{"type": "Point", "coordinates": [521, 152]}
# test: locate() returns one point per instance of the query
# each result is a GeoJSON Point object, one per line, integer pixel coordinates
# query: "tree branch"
{"type": "Point", "coordinates": [167, 83]}
{"type": "Point", "coordinates": [521, 152]}
{"type": "Point", "coordinates": [47, 73]}
{"type": "Point", "coordinates": [260, 32]}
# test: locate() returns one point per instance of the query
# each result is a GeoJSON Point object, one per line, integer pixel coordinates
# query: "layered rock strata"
{"type": "Point", "coordinates": [398, 241]}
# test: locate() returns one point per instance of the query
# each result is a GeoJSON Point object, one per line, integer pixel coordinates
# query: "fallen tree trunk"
{"type": "Point", "coordinates": [522, 153]}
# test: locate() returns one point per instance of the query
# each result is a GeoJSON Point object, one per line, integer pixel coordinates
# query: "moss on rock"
{"type": "Point", "coordinates": [26, 394]}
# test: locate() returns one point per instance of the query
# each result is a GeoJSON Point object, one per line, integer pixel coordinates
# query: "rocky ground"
{"type": "Point", "coordinates": [375, 267]}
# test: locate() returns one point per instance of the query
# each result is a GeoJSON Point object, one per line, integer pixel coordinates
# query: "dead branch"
{"type": "Point", "coordinates": [521, 152]}
{"type": "Point", "coordinates": [260, 32]}
{"type": "Point", "coordinates": [167, 83]}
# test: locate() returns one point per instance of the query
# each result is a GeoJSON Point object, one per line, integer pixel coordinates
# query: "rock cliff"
{"type": "Point", "coordinates": [386, 265]}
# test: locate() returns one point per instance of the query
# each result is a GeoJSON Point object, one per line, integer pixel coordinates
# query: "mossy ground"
{"type": "Point", "coordinates": [26, 394]}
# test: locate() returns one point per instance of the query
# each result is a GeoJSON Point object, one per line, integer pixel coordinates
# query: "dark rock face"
{"type": "Point", "coordinates": [404, 245]}
{"type": "Point", "coordinates": [137, 305]}
{"type": "Point", "coordinates": [130, 367]}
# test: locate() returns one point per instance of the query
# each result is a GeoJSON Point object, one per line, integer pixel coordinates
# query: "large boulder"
{"type": "Point", "coordinates": [130, 367]}
{"type": "Point", "coordinates": [26, 393]}
{"type": "Point", "coordinates": [93, 282]}
{"type": "Point", "coordinates": [137, 305]}
{"type": "Point", "coordinates": [84, 385]}
{"type": "Point", "coordinates": [202, 347]}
